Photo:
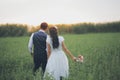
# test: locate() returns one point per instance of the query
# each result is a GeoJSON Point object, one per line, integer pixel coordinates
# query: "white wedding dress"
{"type": "Point", "coordinates": [57, 65]}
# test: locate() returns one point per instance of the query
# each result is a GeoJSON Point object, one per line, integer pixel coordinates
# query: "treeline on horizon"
{"type": "Point", "coordinates": [12, 30]}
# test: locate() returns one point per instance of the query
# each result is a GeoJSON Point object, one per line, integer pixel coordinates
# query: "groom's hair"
{"type": "Point", "coordinates": [44, 25]}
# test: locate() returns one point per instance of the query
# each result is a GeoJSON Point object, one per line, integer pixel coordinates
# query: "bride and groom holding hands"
{"type": "Point", "coordinates": [48, 53]}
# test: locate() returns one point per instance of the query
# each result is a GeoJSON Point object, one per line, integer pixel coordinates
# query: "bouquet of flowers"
{"type": "Point", "coordinates": [80, 58]}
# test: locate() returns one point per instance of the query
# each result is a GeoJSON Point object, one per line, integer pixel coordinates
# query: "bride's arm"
{"type": "Point", "coordinates": [67, 51]}
{"type": "Point", "coordinates": [48, 50]}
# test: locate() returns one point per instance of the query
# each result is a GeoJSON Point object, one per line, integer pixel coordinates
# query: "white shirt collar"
{"type": "Point", "coordinates": [42, 30]}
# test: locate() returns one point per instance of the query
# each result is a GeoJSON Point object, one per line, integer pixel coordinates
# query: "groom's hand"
{"type": "Point", "coordinates": [32, 54]}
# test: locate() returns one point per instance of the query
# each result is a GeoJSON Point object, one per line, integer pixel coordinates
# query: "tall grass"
{"type": "Point", "coordinates": [101, 57]}
{"type": "Point", "coordinates": [15, 61]}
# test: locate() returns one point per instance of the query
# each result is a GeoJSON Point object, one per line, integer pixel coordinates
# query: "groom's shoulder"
{"type": "Point", "coordinates": [35, 33]}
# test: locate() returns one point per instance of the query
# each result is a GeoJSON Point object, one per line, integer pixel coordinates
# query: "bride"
{"type": "Point", "coordinates": [57, 66]}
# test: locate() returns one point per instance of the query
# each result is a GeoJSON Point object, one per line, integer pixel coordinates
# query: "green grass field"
{"type": "Point", "coordinates": [101, 53]}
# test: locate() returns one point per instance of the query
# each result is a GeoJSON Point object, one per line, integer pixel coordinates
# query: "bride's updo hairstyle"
{"type": "Point", "coordinates": [54, 36]}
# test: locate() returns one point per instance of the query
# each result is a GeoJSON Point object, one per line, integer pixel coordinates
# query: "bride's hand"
{"type": "Point", "coordinates": [74, 58]}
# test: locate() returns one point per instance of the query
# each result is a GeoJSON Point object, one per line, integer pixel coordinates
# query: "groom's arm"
{"type": "Point", "coordinates": [30, 44]}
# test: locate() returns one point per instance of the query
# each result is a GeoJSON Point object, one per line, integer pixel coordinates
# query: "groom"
{"type": "Point", "coordinates": [37, 48]}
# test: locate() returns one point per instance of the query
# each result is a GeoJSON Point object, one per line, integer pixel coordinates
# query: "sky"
{"type": "Point", "coordinates": [33, 12]}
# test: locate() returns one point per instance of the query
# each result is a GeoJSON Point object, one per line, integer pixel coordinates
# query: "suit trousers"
{"type": "Point", "coordinates": [40, 60]}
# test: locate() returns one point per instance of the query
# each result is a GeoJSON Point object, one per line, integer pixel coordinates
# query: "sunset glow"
{"type": "Point", "coordinates": [33, 12]}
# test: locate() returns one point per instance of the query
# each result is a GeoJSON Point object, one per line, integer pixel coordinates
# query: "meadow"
{"type": "Point", "coordinates": [101, 53]}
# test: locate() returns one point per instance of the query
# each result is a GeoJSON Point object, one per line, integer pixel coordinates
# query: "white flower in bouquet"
{"type": "Point", "coordinates": [80, 58]}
